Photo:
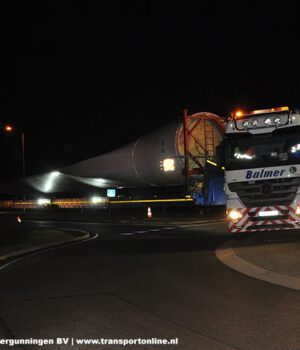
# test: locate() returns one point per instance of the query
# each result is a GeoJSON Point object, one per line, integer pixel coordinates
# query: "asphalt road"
{"type": "Point", "coordinates": [143, 281]}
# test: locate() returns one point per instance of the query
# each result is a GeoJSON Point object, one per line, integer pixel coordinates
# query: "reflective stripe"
{"type": "Point", "coordinates": [245, 222]}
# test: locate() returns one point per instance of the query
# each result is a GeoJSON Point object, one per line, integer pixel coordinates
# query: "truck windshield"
{"type": "Point", "coordinates": [253, 151]}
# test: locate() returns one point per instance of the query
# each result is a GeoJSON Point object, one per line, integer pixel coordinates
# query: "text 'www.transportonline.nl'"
{"type": "Point", "coordinates": [78, 342]}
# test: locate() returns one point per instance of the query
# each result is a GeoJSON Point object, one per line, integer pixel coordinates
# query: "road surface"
{"type": "Point", "coordinates": [145, 281]}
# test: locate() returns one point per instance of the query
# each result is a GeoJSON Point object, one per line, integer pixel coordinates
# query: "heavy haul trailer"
{"type": "Point", "coordinates": [261, 156]}
{"type": "Point", "coordinates": [174, 155]}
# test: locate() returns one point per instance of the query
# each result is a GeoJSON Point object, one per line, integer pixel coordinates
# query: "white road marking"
{"type": "Point", "coordinates": [133, 233]}
{"type": "Point", "coordinates": [137, 232]}
{"type": "Point", "coordinates": [204, 223]}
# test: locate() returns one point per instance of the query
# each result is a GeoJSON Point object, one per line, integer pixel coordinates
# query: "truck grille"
{"type": "Point", "coordinates": [266, 192]}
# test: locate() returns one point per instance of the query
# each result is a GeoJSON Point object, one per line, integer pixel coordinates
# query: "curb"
{"type": "Point", "coordinates": [41, 247]}
{"type": "Point", "coordinates": [226, 254]}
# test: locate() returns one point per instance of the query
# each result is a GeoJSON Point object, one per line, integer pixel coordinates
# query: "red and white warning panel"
{"type": "Point", "coordinates": [263, 218]}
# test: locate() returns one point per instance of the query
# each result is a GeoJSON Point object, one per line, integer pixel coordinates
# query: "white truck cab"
{"type": "Point", "coordinates": [260, 154]}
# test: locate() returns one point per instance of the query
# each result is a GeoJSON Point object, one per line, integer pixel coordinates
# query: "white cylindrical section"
{"type": "Point", "coordinates": [139, 163]}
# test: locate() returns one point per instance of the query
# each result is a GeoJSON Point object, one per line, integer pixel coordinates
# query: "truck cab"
{"type": "Point", "coordinates": [260, 154]}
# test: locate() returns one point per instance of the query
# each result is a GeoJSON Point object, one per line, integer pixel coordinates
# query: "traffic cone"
{"type": "Point", "coordinates": [149, 213]}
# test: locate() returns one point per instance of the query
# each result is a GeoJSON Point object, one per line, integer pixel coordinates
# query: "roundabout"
{"type": "Point", "coordinates": [273, 257]}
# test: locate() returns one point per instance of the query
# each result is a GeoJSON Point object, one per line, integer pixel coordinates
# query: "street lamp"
{"type": "Point", "coordinates": [10, 129]}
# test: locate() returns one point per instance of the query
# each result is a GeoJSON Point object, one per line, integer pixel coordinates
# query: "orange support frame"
{"type": "Point", "coordinates": [208, 135]}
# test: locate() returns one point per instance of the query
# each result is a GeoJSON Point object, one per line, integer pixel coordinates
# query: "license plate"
{"type": "Point", "coordinates": [268, 213]}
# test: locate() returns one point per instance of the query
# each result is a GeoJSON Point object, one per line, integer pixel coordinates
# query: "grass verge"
{"type": "Point", "coordinates": [17, 238]}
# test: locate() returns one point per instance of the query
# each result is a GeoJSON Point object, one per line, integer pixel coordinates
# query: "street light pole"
{"type": "Point", "coordinates": [11, 129]}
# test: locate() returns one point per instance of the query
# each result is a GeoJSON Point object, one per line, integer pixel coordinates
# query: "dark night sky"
{"type": "Point", "coordinates": [83, 78]}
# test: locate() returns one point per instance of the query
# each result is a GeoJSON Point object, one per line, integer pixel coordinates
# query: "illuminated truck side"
{"type": "Point", "coordinates": [261, 156]}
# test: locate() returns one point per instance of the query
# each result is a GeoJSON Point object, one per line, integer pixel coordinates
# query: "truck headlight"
{"type": "Point", "coordinates": [234, 215]}
{"type": "Point", "coordinates": [268, 121]}
{"type": "Point", "coordinates": [277, 120]}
